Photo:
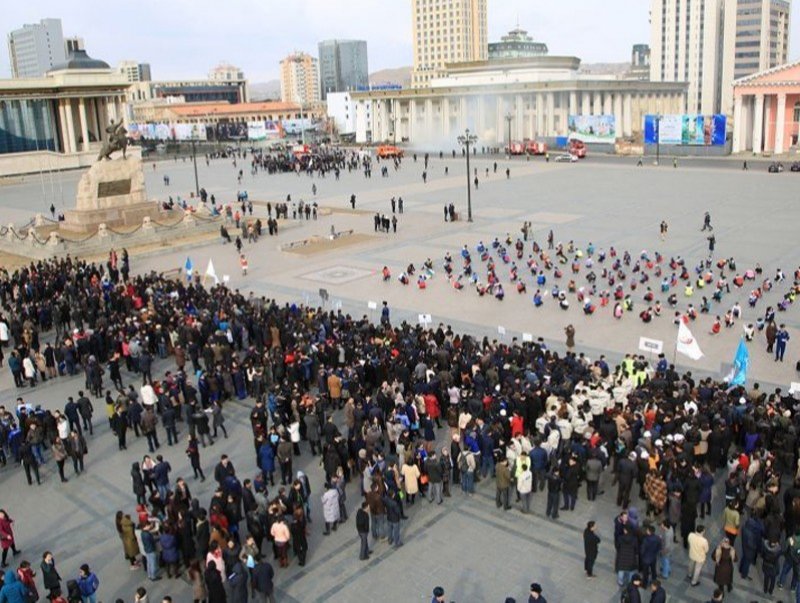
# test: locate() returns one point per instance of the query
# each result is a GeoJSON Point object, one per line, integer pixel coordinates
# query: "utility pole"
{"type": "Point", "coordinates": [467, 140]}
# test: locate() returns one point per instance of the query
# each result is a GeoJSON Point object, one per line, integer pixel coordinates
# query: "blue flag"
{"type": "Point", "coordinates": [741, 362]}
{"type": "Point", "coordinates": [187, 267]}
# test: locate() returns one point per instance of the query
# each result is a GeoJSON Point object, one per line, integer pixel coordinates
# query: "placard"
{"type": "Point", "coordinates": [501, 330]}
{"type": "Point", "coordinates": [653, 346]}
{"type": "Point", "coordinates": [372, 305]}
{"type": "Point", "coordinates": [226, 278]}
{"type": "Point", "coordinates": [527, 337]}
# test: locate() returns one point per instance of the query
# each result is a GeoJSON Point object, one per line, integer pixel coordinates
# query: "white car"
{"type": "Point", "coordinates": [567, 157]}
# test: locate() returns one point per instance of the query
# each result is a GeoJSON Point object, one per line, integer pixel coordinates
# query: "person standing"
{"type": "Point", "coordinates": [76, 445]}
{"type": "Point", "coordinates": [60, 455]}
{"type": "Point", "coordinates": [591, 542]}
{"type": "Point", "coordinates": [570, 333]}
{"type": "Point", "coordinates": [698, 551]}
{"type": "Point", "coordinates": [393, 514]}
{"type": "Point", "coordinates": [648, 554]}
{"type": "Point", "coordinates": [193, 452]}
{"type": "Point", "coordinates": [330, 508]}
{"type": "Point", "coordinates": [525, 486]}
{"type": "Point", "coordinates": [536, 595]}
{"type": "Point", "coordinates": [262, 582]}
{"type": "Point", "coordinates": [362, 527]}
{"type": "Point", "coordinates": [657, 592]}
{"type": "Point", "coordinates": [724, 558]}
{"type": "Point", "coordinates": [770, 554]}
{"type": "Point", "coordinates": [503, 484]}
{"type": "Point", "coordinates": [433, 469]}
{"type": "Point", "coordinates": [667, 534]}
{"type": "Point", "coordinates": [554, 482]}
{"type": "Point", "coordinates": [50, 576]}
{"type": "Point", "coordinates": [781, 337]}
{"type": "Point", "coordinates": [88, 583]}
{"type": "Point", "coordinates": [632, 590]}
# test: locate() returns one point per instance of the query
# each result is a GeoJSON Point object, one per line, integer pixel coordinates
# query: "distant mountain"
{"type": "Point", "coordinates": [398, 75]}
{"type": "Point", "coordinates": [261, 91]}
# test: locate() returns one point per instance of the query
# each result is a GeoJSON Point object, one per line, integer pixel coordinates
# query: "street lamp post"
{"type": "Point", "coordinates": [194, 160]}
{"type": "Point", "coordinates": [509, 119]}
{"type": "Point", "coordinates": [658, 137]}
{"type": "Point", "coordinates": [467, 140]}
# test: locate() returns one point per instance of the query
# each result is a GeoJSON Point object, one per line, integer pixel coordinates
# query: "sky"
{"type": "Point", "coordinates": [186, 38]}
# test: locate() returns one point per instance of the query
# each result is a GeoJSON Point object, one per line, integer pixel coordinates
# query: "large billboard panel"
{"type": "Point", "coordinates": [682, 129]}
{"type": "Point", "coordinates": [261, 130]}
{"type": "Point", "coordinates": [592, 128]}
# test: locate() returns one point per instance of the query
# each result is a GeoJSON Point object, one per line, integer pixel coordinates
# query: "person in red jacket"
{"type": "Point", "coordinates": [517, 425]}
{"type": "Point", "coordinates": [432, 408]}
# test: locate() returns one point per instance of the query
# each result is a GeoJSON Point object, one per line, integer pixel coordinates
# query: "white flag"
{"type": "Point", "coordinates": [687, 344]}
{"type": "Point", "coordinates": [211, 272]}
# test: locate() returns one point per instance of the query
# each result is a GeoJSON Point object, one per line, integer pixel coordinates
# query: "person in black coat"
{"type": "Point", "coordinates": [137, 482]}
{"type": "Point", "coordinates": [262, 577]}
{"type": "Point", "coordinates": [634, 596]}
{"type": "Point", "coordinates": [362, 527]}
{"type": "Point", "coordinates": [657, 592]}
{"type": "Point", "coordinates": [214, 586]}
{"type": "Point", "coordinates": [591, 542]}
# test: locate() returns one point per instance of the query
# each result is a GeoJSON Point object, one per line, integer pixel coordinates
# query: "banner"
{"type": "Point", "coordinates": [687, 344]}
{"type": "Point", "coordinates": [592, 128]}
{"type": "Point", "coordinates": [741, 362]}
{"type": "Point", "coordinates": [256, 130]}
{"type": "Point", "coordinates": [682, 129]}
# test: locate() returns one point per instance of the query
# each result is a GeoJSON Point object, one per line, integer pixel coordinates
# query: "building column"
{"type": "Point", "coordinates": [597, 108]}
{"type": "Point", "coordinates": [94, 124]}
{"type": "Point", "coordinates": [607, 104]}
{"type": "Point", "coordinates": [428, 115]}
{"type": "Point", "coordinates": [586, 108]}
{"type": "Point", "coordinates": [462, 115]}
{"type": "Point", "coordinates": [627, 115]}
{"type": "Point", "coordinates": [539, 115]}
{"type": "Point", "coordinates": [62, 122]}
{"type": "Point", "coordinates": [519, 117]}
{"type": "Point", "coordinates": [619, 120]}
{"type": "Point", "coordinates": [780, 126]}
{"type": "Point", "coordinates": [758, 124]}
{"type": "Point", "coordinates": [70, 126]}
{"type": "Point", "coordinates": [738, 126]}
{"type": "Point", "coordinates": [412, 119]}
{"type": "Point", "coordinates": [84, 126]}
{"type": "Point", "coordinates": [551, 117]}
{"type": "Point", "coordinates": [573, 103]}
{"type": "Point", "coordinates": [501, 127]}
{"type": "Point", "coordinates": [446, 117]}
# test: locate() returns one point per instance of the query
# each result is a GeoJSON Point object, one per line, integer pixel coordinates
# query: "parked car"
{"type": "Point", "coordinates": [775, 168]}
{"type": "Point", "coordinates": [566, 157]}
{"type": "Point", "coordinates": [795, 167]}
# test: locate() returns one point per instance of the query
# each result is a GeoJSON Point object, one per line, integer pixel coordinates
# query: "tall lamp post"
{"type": "Point", "coordinates": [467, 140]}
{"type": "Point", "coordinates": [194, 160]}
{"type": "Point", "coordinates": [509, 119]}
{"type": "Point", "coordinates": [658, 137]}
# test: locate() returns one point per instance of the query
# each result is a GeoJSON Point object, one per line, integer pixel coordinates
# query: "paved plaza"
{"type": "Point", "coordinates": [475, 551]}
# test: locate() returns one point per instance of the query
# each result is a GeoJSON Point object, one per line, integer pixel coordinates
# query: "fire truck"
{"type": "Point", "coordinates": [516, 148]}
{"type": "Point", "coordinates": [577, 147]}
{"type": "Point", "coordinates": [536, 148]}
{"type": "Point", "coordinates": [385, 151]}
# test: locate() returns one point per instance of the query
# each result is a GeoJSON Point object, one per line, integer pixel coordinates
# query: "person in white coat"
{"type": "Point", "coordinates": [29, 370]}
{"type": "Point", "coordinates": [330, 508]}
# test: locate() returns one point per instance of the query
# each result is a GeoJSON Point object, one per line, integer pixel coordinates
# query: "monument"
{"type": "Point", "coordinates": [112, 191]}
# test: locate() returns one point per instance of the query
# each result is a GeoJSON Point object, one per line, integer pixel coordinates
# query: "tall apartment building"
{"type": "Point", "coordinates": [35, 48]}
{"type": "Point", "coordinates": [756, 38]}
{"type": "Point", "coordinates": [343, 66]}
{"type": "Point", "coordinates": [299, 78]}
{"type": "Point", "coordinates": [135, 72]}
{"type": "Point", "coordinates": [686, 46]}
{"type": "Point", "coordinates": [446, 31]}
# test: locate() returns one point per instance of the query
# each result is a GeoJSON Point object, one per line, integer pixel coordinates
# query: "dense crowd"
{"type": "Point", "coordinates": [376, 402]}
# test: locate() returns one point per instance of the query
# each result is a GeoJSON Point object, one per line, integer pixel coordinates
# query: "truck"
{"type": "Point", "coordinates": [387, 150]}
{"type": "Point", "coordinates": [534, 147]}
{"type": "Point", "coordinates": [516, 148]}
{"type": "Point", "coordinates": [577, 147]}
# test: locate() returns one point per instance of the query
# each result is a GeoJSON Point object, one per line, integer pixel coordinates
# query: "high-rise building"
{"type": "Point", "coordinates": [135, 72]}
{"type": "Point", "coordinates": [516, 44]}
{"type": "Point", "coordinates": [35, 48]}
{"type": "Point", "coordinates": [299, 78]}
{"type": "Point", "coordinates": [342, 66]}
{"type": "Point", "coordinates": [756, 38]}
{"type": "Point", "coordinates": [446, 31]}
{"type": "Point", "coordinates": [686, 46]}
{"type": "Point", "coordinates": [225, 72]}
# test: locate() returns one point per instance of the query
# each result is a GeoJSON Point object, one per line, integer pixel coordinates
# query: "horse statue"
{"type": "Point", "coordinates": [117, 141]}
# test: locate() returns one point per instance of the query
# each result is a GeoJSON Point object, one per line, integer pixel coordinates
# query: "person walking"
{"type": "Point", "coordinates": [7, 540]}
{"type": "Point", "coordinates": [60, 455]}
{"type": "Point", "coordinates": [362, 528]}
{"type": "Point", "coordinates": [591, 543]}
{"type": "Point", "coordinates": [76, 445]}
{"type": "Point", "coordinates": [193, 452]}
{"type": "Point", "coordinates": [698, 551]}
{"type": "Point", "coordinates": [569, 331]}
{"type": "Point", "coordinates": [707, 222]}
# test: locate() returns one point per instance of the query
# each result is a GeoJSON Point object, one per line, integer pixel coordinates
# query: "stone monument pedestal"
{"type": "Point", "coordinates": [111, 192]}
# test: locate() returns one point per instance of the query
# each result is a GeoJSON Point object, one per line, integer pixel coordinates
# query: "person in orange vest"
{"type": "Point", "coordinates": [243, 264]}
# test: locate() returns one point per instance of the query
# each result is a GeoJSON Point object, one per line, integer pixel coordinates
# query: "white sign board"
{"type": "Point", "coordinates": [652, 346]}
{"type": "Point", "coordinates": [372, 305]}
{"type": "Point", "coordinates": [501, 330]}
{"type": "Point", "coordinates": [425, 319]}
{"type": "Point", "coordinates": [527, 337]}
{"type": "Point", "coordinates": [226, 278]}
{"type": "Point", "coordinates": [794, 388]}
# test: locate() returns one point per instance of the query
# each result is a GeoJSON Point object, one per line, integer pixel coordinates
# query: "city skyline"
{"type": "Point", "coordinates": [255, 40]}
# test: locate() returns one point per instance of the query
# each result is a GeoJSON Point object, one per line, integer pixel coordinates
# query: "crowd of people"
{"type": "Point", "coordinates": [395, 413]}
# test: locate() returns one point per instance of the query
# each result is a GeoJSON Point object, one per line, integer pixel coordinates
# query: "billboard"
{"type": "Point", "coordinates": [682, 129]}
{"type": "Point", "coordinates": [231, 130]}
{"type": "Point", "coordinates": [261, 130]}
{"type": "Point", "coordinates": [592, 128]}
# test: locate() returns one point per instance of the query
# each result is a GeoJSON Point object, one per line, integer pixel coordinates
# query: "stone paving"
{"type": "Point", "coordinates": [478, 553]}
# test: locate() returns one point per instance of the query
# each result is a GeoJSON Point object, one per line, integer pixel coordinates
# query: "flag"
{"type": "Point", "coordinates": [687, 344]}
{"type": "Point", "coordinates": [187, 268]}
{"type": "Point", "coordinates": [211, 272]}
{"type": "Point", "coordinates": [741, 362]}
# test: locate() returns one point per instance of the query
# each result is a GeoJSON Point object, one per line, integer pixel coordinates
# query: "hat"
{"type": "Point", "coordinates": [659, 443]}
{"type": "Point", "coordinates": [679, 438]}
{"type": "Point", "coordinates": [536, 588]}
{"type": "Point", "coordinates": [503, 412]}
{"type": "Point", "coordinates": [632, 456]}
{"type": "Point", "coordinates": [670, 437]}
{"type": "Point", "coordinates": [647, 434]}
{"type": "Point", "coordinates": [742, 400]}
{"type": "Point", "coordinates": [645, 454]}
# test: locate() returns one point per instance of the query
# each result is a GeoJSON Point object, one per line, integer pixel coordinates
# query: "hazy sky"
{"type": "Point", "coordinates": [185, 38]}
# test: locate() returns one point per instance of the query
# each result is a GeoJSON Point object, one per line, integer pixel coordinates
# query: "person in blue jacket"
{"type": "Point", "coordinates": [13, 590]}
{"type": "Point", "coordinates": [266, 462]}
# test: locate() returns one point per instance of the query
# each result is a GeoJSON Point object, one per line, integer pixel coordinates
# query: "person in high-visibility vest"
{"type": "Point", "coordinates": [243, 264]}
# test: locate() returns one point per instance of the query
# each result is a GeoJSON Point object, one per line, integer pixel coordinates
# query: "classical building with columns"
{"type": "Point", "coordinates": [766, 110]}
{"type": "Point", "coordinates": [536, 95]}
{"type": "Point", "coordinates": [62, 115]}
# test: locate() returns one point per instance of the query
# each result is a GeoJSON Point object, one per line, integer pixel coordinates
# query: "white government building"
{"type": "Point", "coordinates": [538, 94]}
